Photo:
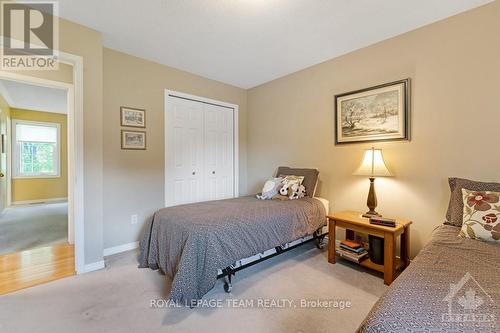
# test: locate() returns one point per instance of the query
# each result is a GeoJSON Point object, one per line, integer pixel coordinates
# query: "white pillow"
{"type": "Point", "coordinates": [271, 188]}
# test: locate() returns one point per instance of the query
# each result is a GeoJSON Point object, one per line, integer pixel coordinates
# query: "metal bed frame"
{"type": "Point", "coordinates": [318, 236]}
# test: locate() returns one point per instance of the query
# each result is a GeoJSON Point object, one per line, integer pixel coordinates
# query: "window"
{"type": "Point", "coordinates": [36, 150]}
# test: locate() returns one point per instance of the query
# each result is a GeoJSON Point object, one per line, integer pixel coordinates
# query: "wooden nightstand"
{"type": "Point", "coordinates": [354, 221]}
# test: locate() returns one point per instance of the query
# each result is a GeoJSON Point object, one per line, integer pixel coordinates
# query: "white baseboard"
{"type": "Point", "coordinates": [38, 201]}
{"type": "Point", "coordinates": [95, 266]}
{"type": "Point", "coordinates": [120, 248]}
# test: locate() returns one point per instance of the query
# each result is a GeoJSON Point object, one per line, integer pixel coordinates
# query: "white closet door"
{"type": "Point", "coordinates": [219, 152]}
{"type": "Point", "coordinates": [184, 151]}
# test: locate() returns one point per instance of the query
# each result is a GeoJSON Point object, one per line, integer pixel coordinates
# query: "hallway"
{"type": "Point", "coordinates": [33, 226]}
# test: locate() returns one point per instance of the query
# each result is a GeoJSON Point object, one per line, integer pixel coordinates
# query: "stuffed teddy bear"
{"type": "Point", "coordinates": [285, 187]}
{"type": "Point", "coordinates": [291, 191]}
{"type": "Point", "coordinates": [283, 190]}
{"type": "Point", "coordinates": [296, 191]}
{"type": "Point", "coordinates": [302, 191]}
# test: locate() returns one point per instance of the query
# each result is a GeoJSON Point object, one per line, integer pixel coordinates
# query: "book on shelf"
{"type": "Point", "coordinates": [351, 256]}
{"type": "Point", "coordinates": [351, 244]}
{"type": "Point", "coordinates": [358, 250]}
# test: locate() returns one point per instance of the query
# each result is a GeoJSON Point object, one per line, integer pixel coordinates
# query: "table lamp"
{"type": "Point", "coordinates": [373, 165]}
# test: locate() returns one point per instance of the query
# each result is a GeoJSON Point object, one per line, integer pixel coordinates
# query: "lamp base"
{"type": "Point", "coordinates": [371, 214]}
{"type": "Point", "coordinates": [371, 202]}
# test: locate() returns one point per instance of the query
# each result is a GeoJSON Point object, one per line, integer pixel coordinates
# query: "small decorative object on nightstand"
{"type": "Point", "coordinates": [373, 165]}
{"type": "Point", "coordinates": [355, 221]}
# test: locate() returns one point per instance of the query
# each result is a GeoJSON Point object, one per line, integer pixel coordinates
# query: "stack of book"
{"type": "Point", "coordinates": [352, 251]}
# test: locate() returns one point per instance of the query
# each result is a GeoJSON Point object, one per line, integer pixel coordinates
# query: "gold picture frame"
{"type": "Point", "coordinates": [132, 117]}
{"type": "Point", "coordinates": [133, 140]}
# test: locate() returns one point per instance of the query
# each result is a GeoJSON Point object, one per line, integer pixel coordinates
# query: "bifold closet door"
{"type": "Point", "coordinates": [219, 152]}
{"type": "Point", "coordinates": [184, 152]}
{"type": "Point", "coordinates": [199, 151]}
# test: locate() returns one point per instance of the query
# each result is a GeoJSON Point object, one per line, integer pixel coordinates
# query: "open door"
{"type": "Point", "coordinates": [4, 121]}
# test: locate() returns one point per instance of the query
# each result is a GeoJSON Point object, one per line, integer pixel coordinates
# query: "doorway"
{"type": "Point", "coordinates": [36, 148]}
{"type": "Point", "coordinates": [34, 192]}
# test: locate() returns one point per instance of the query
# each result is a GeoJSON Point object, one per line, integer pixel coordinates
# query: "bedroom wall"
{"type": "Point", "coordinates": [30, 189]}
{"type": "Point", "coordinates": [455, 70]}
{"type": "Point", "coordinates": [133, 181]}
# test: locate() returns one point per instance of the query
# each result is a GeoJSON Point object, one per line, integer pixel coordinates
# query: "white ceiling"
{"type": "Point", "coordinates": [249, 42]}
{"type": "Point", "coordinates": [31, 97]}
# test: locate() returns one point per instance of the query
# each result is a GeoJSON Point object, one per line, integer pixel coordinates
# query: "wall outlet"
{"type": "Point", "coordinates": [133, 219]}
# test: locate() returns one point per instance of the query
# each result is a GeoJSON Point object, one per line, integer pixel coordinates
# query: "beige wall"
{"type": "Point", "coordinates": [31, 189]}
{"type": "Point", "coordinates": [455, 70]}
{"type": "Point", "coordinates": [64, 73]}
{"type": "Point", "coordinates": [87, 43]}
{"type": "Point", "coordinates": [134, 180]}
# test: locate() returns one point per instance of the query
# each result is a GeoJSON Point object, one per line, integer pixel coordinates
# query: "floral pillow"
{"type": "Point", "coordinates": [481, 215]}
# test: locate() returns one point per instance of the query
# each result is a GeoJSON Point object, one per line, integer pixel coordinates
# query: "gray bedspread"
{"type": "Point", "coordinates": [421, 299]}
{"type": "Point", "coordinates": [190, 242]}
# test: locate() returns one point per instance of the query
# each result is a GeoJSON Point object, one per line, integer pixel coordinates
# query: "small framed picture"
{"type": "Point", "coordinates": [133, 140]}
{"type": "Point", "coordinates": [131, 117]}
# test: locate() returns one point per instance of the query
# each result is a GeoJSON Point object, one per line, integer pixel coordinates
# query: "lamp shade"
{"type": "Point", "coordinates": [373, 164]}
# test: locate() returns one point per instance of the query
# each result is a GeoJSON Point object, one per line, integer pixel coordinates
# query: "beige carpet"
{"type": "Point", "coordinates": [117, 299]}
{"type": "Point", "coordinates": [31, 226]}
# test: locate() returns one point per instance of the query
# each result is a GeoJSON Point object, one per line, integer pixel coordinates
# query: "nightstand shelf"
{"type": "Point", "coordinates": [380, 268]}
{"type": "Point", "coordinates": [351, 220]}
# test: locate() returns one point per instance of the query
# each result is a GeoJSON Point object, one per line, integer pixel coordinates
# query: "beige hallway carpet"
{"type": "Point", "coordinates": [118, 298]}
{"type": "Point", "coordinates": [32, 226]}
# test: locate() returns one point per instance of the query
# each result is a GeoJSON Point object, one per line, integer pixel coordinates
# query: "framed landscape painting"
{"type": "Point", "coordinates": [380, 113]}
{"type": "Point", "coordinates": [131, 117]}
{"type": "Point", "coordinates": [133, 140]}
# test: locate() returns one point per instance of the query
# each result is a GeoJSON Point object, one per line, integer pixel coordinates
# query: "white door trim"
{"type": "Point", "coordinates": [235, 108]}
{"type": "Point", "coordinates": [75, 149]}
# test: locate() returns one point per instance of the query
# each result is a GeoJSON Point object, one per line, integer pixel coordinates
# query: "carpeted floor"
{"type": "Point", "coordinates": [31, 226]}
{"type": "Point", "coordinates": [118, 299]}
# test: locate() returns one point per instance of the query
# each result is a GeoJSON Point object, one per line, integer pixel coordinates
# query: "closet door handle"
{"type": "Point", "coordinates": [194, 173]}
{"type": "Point", "coordinates": [213, 172]}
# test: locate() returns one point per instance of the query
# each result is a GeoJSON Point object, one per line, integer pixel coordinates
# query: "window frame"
{"type": "Point", "coordinates": [16, 151]}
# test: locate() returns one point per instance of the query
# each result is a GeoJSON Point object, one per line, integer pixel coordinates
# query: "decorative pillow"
{"type": "Point", "coordinates": [310, 177]}
{"type": "Point", "coordinates": [292, 179]}
{"type": "Point", "coordinates": [454, 215]}
{"type": "Point", "coordinates": [271, 188]}
{"type": "Point", "coordinates": [481, 215]}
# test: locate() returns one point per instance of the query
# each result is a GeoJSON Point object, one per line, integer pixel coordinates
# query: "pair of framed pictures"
{"type": "Point", "coordinates": [133, 139]}
{"type": "Point", "coordinates": [380, 113]}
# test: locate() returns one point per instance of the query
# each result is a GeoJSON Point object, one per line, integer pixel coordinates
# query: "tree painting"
{"type": "Point", "coordinates": [371, 115]}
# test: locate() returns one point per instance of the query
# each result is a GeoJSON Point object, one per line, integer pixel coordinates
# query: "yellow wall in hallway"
{"type": "Point", "coordinates": [29, 189]}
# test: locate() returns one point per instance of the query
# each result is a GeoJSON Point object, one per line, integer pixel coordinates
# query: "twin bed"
{"type": "Point", "coordinates": [452, 285]}
{"type": "Point", "coordinates": [194, 244]}
{"type": "Point", "coordinates": [428, 295]}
